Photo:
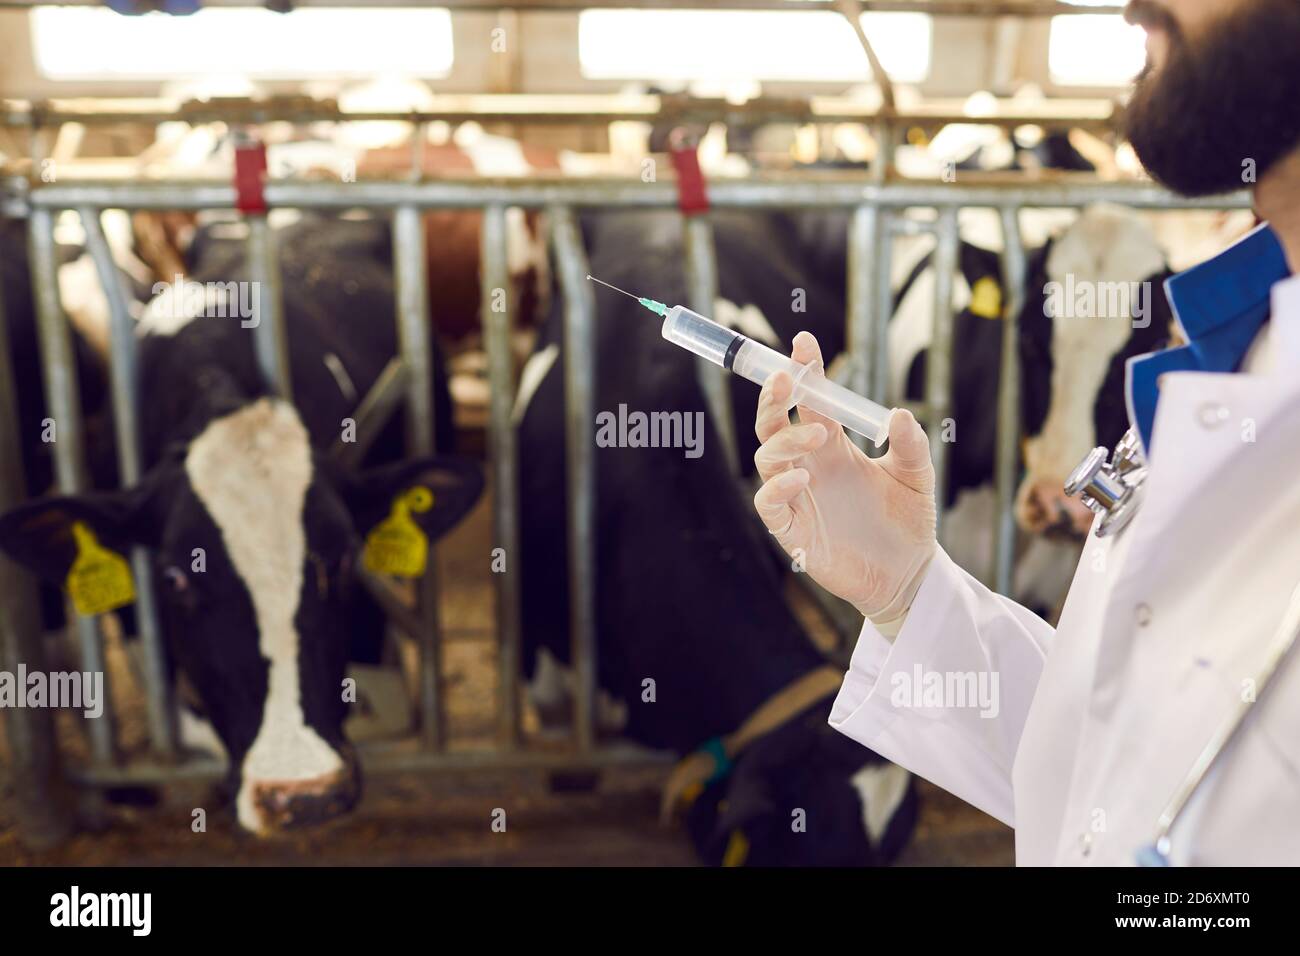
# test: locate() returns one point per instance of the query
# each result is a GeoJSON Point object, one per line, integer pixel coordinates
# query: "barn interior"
{"type": "Point", "coordinates": [904, 167]}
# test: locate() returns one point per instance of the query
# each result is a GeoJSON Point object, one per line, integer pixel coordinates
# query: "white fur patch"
{"type": "Point", "coordinates": [748, 320]}
{"type": "Point", "coordinates": [251, 469]}
{"type": "Point", "coordinates": [536, 369]}
{"type": "Point", "coordinates": [341, 377]}
{"type": "Point", "coordinates": [176, 306]}
{"type": "Point", "coordinates": [881, 787]}
{"type": "Point", "coordinates": [1108, 245]}
{"type": "Point", "coordinates": [495, 155]}
{"type": "Point", "coordinates": [911, 329]}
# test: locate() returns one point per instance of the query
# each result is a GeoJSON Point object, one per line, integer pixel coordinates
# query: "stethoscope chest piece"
{"type": "Point", "coordinates": [1154, 854]}
{"type": "Point", "coordinates": [1111, 488]}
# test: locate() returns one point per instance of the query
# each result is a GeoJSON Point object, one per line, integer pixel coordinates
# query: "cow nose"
{"type": "Point", "coordinates": [1043, 507]}
{"type": "Point", "coordinates": [290, 804]}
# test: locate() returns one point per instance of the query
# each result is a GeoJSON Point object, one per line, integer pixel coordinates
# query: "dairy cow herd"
{"type": "Point", "coordinates": [689, 595]}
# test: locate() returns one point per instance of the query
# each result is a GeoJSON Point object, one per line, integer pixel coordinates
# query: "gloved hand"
{"type": "Point", "coordinates": [864, 528]}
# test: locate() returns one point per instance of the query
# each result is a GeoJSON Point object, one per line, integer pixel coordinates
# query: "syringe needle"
{"type": "Point", "coordinates": [614, 287]}
{"type": "Point", "coordinates": [658, 308]}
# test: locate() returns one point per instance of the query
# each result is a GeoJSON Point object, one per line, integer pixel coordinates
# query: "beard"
{"type": "Point", "coordinates": [1225, 107]}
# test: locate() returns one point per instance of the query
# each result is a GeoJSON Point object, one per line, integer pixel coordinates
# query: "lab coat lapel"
{"type": "Point", "coordinates": [1205, 419]}
{"type": "Point", "coordinates": [1205, 425]}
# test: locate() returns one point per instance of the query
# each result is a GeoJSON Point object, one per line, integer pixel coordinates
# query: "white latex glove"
{"type": "Point", "coordinates": [865, 528]}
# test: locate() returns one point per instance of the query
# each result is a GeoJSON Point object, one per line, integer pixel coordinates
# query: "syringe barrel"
{"type": "Point", "coordinates": [756, 362]}
{"type": "Point", "coordinates": [702, 336]}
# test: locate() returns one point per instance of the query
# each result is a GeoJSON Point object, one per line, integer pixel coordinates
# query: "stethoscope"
{"type": "Point", "coordinates": [1112, 487]}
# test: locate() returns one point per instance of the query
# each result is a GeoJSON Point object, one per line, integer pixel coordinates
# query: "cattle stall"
{"type": "Point", "coordinates": [875, 219]}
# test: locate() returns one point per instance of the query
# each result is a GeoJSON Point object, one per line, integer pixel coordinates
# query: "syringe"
{"type": "Point", "coordinates": [756, 362]}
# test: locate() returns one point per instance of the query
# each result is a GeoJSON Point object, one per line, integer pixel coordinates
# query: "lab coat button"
{"type": "Point", "coordinates": [1085, 843]}
{"type": "Point", "coordinates": [1142, 614]}
{"type": "Point", "coordinates": [1212, 414]}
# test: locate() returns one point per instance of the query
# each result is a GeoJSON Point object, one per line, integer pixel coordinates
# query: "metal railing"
{"type": "Point", "coordinates": [948, 8]}
{"type": "Point", "coordinates": [876, 217]}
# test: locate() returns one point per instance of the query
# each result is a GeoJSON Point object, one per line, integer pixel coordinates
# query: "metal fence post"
{"type": "Point", "coordinates": [495, 289]}
{"type": "Point", "coordinates": [43, 814]}
{"type": "Point", "coordinates": [63, 398]}
{"type": "Point", "coordinates": [580, 444]}
{"type": "Point", "coordinates": [702, 286]}
{"type": "Point", "coordinates": [884, 290]}
{"type": "Point", "coordinates": [269, 341]}
{"type": "Point", "coordinates": [1007, 463]}
{"type": "Point", "coordinates": [938, 370]}
{"type": "Point", "coordinates": [415, 343]}
{"type": "Point", "coordinates": [162, 730]}
{"type": "Point", "coordinates": [864, 318]}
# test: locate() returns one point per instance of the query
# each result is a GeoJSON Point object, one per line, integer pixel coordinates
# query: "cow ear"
{"type": "Point", "coordinates": [455, 483]}
{"type": "Point", "coordinates": [39, 534]}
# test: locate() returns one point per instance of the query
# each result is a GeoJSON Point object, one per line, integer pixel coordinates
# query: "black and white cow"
{"type": "Point", "coordinates": [1096, 298]}
{"type": "Point", "coordinates": [262, 624]}
{"type": "Point", "coordinates": [688, 593]}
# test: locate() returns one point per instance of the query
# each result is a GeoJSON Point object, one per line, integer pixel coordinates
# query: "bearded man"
{"type": "Point", "coordinates": [1157, 723]}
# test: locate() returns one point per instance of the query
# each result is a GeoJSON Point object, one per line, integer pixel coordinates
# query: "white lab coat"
{"type": "Point", "coordinates": [1099, 721]}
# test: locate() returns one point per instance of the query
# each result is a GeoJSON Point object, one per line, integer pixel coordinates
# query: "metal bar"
{"type": "Point", "coordinates": [376, 408]}
{"type": "Point", "coordinates": [495, 309]}
{"type": "Point", "coordinates": [269, 341]}
{"type": "Point", "coordinates": [63, 399]}
{"type": "Point", "coordinates": [863, 246]}
{"type": "Point", "coordinates": [390, 601]}
{"type": "Point", "coordinates": [42, 811]}
{"type": "Point", "coordinates": [1007, 462]}
{"type": "Point", "coordinates": [884, 310]}
{"type": "Point", "coordinates": [946, 8]}
{"type": "Point", "coordinates": [573, 110]}
{"type": "Point", "coordinates": [382, 757]}
{"type": "Point", "coordinates": [938, 367]}
{"type": "Point", "coordinates": [580, 461]}
{"type": "Point", "coordinates": [414, 336]}
{"type": "Point", "coordinates": [885, 131]}
{"type": "Point", "coordinates": [852, 11]}
{"type": "Point", "coordinates": [158, 702]}
{"type": "Point", "coordinates": [906, 226]}
{"type": "Point", "coordinates": [702, 294]}
{"type": "Point", "coordinates": [821, 190]}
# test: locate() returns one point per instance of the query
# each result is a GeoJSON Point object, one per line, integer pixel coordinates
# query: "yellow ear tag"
{"type": "Point", "coordinates": [397, 546]}
{"type": "Point", "coordinates": [986, 299]}
{"type": "Point", "coordinates": [737, 849]}
{"type": "Point", "coordinates": [99, 580]}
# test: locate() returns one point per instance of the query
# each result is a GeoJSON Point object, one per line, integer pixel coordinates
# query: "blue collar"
{"type": "Point", "coordinates": [1220, 306]}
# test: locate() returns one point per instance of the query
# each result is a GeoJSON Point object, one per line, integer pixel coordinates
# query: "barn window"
{"type": "Point", "coordinates": [1095, 49]}
{"type": "Point", "coordinates": [674, 46]}
{"type": "Point", "coordinates": [93, 43]}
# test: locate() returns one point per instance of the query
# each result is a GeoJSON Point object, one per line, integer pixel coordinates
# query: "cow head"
{"type": "Point", "coordinates": [254, 539]}
{"type": "Point", "coordinates": [1102, 302]}
{"type": "Point", "coordinates": [802, 796]}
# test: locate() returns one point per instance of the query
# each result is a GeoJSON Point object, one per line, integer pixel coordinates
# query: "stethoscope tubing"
{"type": "Point", "coordinates": [1283, 642]}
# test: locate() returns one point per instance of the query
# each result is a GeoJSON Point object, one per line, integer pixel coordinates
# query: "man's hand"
{"type": "Point", "coordinates": [863, 528]}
